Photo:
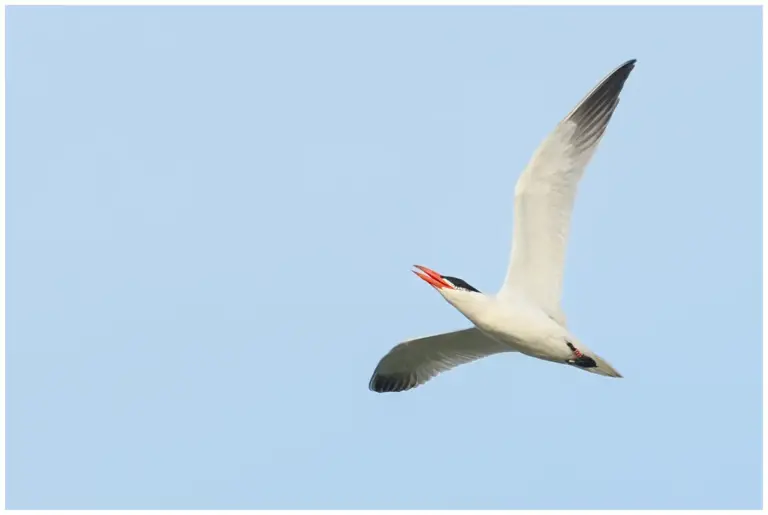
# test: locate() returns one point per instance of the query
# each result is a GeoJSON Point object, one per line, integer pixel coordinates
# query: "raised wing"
{"type": "Point", "coordinates": [415, 362]}
{"type": "Point", "coordinates": [545, 192]}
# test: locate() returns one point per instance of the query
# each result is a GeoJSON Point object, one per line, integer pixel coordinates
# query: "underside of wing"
{"type": "Point", "coordinates": [545, 193]}
{"type": "Point", "coordinates": [415, 362]}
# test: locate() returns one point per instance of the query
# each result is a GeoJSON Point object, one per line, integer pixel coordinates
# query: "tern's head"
{"type": "Point", "coordinates": [452, 288]}
{"type": "Point", "coordinates": [467, 299]}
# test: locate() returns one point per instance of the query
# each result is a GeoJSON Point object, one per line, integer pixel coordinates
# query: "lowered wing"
{"type": "Point", "coordinates": [415, 362]}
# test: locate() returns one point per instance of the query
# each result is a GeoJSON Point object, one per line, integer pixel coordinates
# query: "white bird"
{"type": "Point", "coordinates": [525, 315]}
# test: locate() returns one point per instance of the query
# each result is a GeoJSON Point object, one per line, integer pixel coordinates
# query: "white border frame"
{"type": "Point", "coordinates": [345, 3]}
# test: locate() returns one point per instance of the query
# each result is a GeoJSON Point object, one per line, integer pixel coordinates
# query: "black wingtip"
{"type": "Point", "coordinates": [627, 64]}
{"type": "Point", "coordinates": [390, 383]}
{"type": "Point", "coordinates": [624, 70]}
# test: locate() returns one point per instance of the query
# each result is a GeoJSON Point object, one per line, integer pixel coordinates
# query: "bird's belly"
{"type": "Point", "coordinates": [522, 328]}
{"type": "Point", "coordinates": [537, 344]}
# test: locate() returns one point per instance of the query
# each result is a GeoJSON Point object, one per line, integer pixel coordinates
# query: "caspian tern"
{"type": "Point", "coordinates": [525, 315]}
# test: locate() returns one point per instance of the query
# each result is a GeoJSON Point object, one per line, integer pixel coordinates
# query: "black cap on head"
{"type": "Point", "coordinates": [460, 284]}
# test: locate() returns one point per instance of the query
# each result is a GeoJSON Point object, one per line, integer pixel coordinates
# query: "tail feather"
{"type": "Point", "coordinates": [603, 368]}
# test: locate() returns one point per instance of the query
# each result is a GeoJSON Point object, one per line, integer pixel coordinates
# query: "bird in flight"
{"type": "Point", "coordinates": [525, 315]}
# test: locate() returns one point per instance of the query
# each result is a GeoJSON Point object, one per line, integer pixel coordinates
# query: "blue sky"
{"type": "Point", "coordinates": [212, 213]}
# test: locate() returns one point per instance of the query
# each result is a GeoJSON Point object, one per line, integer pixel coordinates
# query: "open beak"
{"type": "Point", "coordinates": [432, 277]}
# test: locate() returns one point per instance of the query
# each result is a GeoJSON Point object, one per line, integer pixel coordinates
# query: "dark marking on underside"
{"type": "Point", "coordinates": [580, 360]}
{"type": "Point", "coordinates": [583, 362]}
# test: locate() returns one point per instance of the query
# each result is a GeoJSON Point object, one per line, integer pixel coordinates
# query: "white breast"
{"type": "Point", "coordinates": [515, 322]}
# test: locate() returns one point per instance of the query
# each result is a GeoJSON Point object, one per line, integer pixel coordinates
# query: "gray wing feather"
{"type": "Point", "coordinates": [592, 115]}
{"type": "Point", "coordinates": [415, 362]}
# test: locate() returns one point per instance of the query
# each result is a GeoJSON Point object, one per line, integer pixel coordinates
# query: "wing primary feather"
{"type": "Point", "coordinates": [598, 106]}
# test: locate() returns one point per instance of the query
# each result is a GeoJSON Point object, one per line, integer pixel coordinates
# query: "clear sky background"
{"type": "Point", "coordinates": [212, 213]}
